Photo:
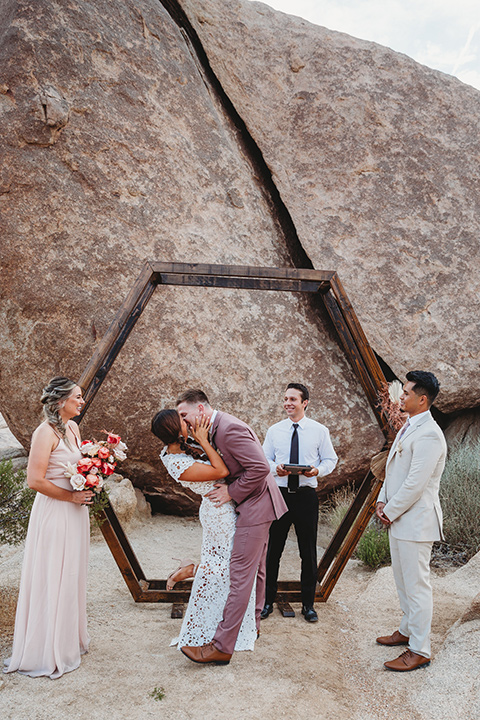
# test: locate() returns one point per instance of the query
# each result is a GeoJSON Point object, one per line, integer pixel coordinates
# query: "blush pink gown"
{"type": "Point", "coordinates": [51, 620]}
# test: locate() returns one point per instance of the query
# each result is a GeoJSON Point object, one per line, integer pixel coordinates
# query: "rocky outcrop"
{"type": "Point", "coordinates": [376, 158]}
{"type": "Point", "coordinates": [10, 448]}
{"type": "Point", "coordinates": [452, 685]}
{"type": "Point", "coordinates": [473, 612]}
{"type": "Point", "coordinates": [464, 428]}
{"type": "Point", "coordinates": [128, 502]}
{"type": "Point", "coordinates": [122, 496]}
{"type": "Point", "coordinates": [303, 147]}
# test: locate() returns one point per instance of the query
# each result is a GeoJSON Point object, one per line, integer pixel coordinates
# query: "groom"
{"type": "Point", "coordinates": [258, 502]}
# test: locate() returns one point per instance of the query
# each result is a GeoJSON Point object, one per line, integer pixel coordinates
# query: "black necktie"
{"type": "Point", "coordinates": [293, 479]}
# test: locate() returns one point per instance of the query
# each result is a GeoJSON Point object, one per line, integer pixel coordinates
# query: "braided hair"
{"type": "Point", "coordinates": [57, 390]}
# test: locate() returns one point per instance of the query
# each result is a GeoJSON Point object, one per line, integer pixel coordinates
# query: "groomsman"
{"type": "Point", "coordinates": [297, 440]}
{"type": "Point", "coordinates": [409, 506]}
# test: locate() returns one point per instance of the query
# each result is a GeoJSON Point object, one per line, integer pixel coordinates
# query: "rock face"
{"type": "Point", "coordinates": [118, 146]}
{"type": "Point", "coordinates": [10, 448]}
{"type": "Point", "coordinates": [123, 497]}
{"type": "Point", "coordinates": [376, 158]}
{"type": "Point", "coordinates": [465, 428]}
{"type": "Point", "coordinates": [473, 612]}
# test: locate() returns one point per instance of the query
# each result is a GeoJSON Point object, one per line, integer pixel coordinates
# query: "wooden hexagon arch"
{"type": "Point", "coordinates": [328, 287]}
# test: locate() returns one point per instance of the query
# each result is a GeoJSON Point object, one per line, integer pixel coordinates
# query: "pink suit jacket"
{"type": "Point", "coordinates": [250, 483]}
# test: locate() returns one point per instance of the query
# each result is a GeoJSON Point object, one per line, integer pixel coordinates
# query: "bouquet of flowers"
{"type": "Point", "coordinates": [99, 461]}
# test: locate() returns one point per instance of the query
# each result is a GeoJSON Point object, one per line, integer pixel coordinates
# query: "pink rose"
{"type": "Point", "coordinates": [97, 462]}
{"type": "Point", "coordinates": [91, 481]}
{"type": "Point", "coordinates": [113, 439]}
{"type": "Point", "coordinates": [84, 465]}
{"type": "Point", "coordinates": [103, 453]}
{"type": "Point", "coordinates": [108, 469]}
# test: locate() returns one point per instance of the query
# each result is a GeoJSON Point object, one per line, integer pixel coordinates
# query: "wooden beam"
{"type": "Point", "coordinates": [356, 357]}
{"type": "Point", "coordinates": [369, 357]}
{"type": "Point", "coordinates": [120, 555]}
{"type": "Point", "coordinates": [245, 283]}
{"type": "Point", "coordinates": [242, 277]}
{"type": "Point", "coordinates": [353, 536]}
{"type": "Point", "coordinates": [121, 539]}
{"type": "Point", "coordinates": [116, 335]}
{"type": "Point", "coordinates": [245, 271]}
{"type": "Point", "coordinates": [285, 607]}
{"type": "Point", "coordinates": [343, 529]}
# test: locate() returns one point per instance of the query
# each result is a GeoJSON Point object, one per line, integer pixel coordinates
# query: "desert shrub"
{"type": "Point", "coordinates": [373, 548]}
{"type": "Point", "coordinates": [460, 496]}
{"type": "Point", "coordinates": [337, 506]}
{"type": "Point", "coordinates": [16, 500]}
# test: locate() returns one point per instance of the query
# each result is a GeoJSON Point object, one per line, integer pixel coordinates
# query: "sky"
{"type": "Point", "coordinates": [443, 34]}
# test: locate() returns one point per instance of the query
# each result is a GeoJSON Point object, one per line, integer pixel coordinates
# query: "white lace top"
{"type": "Point", "coordinates": [177, 463]}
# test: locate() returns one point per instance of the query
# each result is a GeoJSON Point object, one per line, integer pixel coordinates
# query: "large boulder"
{"type": "Point", "coordinates": [10, 449]}
{"type": "Point", "coordinates": [464, 428]}
{"type": "Point", "coordinates": [118, 146]}
{"type": "Point", "coordinates": [376, 158]}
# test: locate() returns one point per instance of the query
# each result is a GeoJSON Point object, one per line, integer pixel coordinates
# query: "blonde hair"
{"type": "Point", "coordinates": [57, 390]}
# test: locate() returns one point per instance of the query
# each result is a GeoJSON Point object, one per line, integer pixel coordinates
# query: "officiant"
{"type": "Point", "coordinates": [297, 440]}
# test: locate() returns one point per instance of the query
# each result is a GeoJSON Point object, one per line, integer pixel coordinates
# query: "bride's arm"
{"type": "Point", "coordinates": [200, 472]}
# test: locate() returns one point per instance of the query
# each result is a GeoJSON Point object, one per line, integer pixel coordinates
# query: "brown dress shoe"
{"type": "Point", "coordinates": [395, 638]}
{"type": "Point", "coordinates": [408, 660]}
{"type": "Point", "coordinates": [206, 654]}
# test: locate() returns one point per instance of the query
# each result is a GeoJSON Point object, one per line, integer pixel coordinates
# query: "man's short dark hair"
{"type": "Point", "coordinates": [301, 388]}
{"type": "Point", "coordinates": [425, 383]}
{"type": "Point", "coordinates": [193, 397]}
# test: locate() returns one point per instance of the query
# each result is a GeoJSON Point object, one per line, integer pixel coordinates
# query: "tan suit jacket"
{"type": "Point", "coordinates": [412, 480]}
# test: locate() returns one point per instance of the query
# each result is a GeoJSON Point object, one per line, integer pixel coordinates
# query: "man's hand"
{"type": "Point", "coordinates": [381, 515]}
{"type": "Point", "coordinates": [281, 472]}
{"type": "Point", "coordinates": [310, 473]}
{"type": "Point", "coordinates": [219, 496]}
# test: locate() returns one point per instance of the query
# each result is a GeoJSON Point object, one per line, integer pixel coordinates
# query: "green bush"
{"type": "Point", "coordinates": [460, 497]}
{"type": "Point", "coordinates": [373, 548]}
{"type": "Point", "coordinates": [16, 500]}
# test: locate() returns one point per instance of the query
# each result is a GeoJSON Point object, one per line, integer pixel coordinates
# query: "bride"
{"type": "Point", "coordinates": [212, 576]}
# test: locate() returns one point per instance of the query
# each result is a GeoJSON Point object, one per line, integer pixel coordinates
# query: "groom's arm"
{"type": "Point", "coordinates": [243, 444]}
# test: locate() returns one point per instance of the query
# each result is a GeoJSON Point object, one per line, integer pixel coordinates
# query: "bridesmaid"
{"type": "Point", "coordinates": [51, 620]}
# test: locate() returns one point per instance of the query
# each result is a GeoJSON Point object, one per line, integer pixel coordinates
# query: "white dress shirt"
{"type": "Point", "coordinates": [314, 448]}
{"type": "Point", "coordinates": [415, 418]}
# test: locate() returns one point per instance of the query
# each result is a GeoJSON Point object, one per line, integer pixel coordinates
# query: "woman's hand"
{"type": "Point", "coordinates": [200, 431]}
{"type": "Point", "coordinates": [82, 497]}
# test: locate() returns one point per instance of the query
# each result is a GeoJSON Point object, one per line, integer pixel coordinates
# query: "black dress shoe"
{"type": "Point", "coordinates": [267, 610]}
{"type": "Point", "coordinates": [309, 613]}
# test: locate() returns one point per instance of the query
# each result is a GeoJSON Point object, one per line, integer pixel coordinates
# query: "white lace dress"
{"type": "Point", "coordinates": [212, 580]}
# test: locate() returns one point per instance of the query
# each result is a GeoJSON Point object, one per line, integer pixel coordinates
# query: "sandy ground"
{"type": "Point", "coordinates": [332, 669]}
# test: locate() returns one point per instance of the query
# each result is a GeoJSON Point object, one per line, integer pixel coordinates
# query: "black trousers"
{"type": "Point", "coordinates": [303, 513]}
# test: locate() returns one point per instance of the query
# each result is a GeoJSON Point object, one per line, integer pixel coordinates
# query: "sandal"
{"type": "Point", "coordinates": [171, 582]}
